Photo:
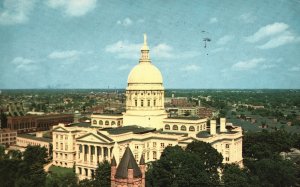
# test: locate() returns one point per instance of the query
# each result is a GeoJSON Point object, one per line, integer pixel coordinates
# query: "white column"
{"type": "Point", "coordinates": [83, 151]}
{"type": "Point", "coordinates": [89, 154]}
{"type": "Point", "coordinates": [96, 154]}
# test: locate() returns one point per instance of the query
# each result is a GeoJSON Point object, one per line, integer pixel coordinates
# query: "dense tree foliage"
{"type": "Point", "coordinates": [102, 176]}
{"type": "Point", "coordinates": [61, 180]}
{"type": "Point", "coordinates": [234, 176]}
{"type": "Point", "coordinates": [267, 144]}
{"type": "Point", "coordinates": [35, 154]}
{"type": "Point", "coordinates": [28, 172]}
{"type": "Point", "coordinates": [178, 167]}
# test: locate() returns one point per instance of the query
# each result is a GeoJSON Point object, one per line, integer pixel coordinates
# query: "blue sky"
{"type": "Point", "coordinates": [95, 43]}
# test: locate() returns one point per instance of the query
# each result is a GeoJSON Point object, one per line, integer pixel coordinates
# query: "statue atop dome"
{"type": "Point", "coordinates": [145, 51]}
{"type": "Point", "coordinates": [145, 39]}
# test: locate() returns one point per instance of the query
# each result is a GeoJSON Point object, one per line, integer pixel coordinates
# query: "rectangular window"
{"type": "Point", "coordinates": [135, 101]}
{"type": "Point", "coordinates": [66, 147]}
{"type": "Point", "coordinates": [154, 144]}
{"type": "Point", "coordinates": [227, 145]}
{"type": "Point", "coordinates": [136, 147]}
{"type": "Point", "coordinates": [66, 137]}
{"type": "Point", "coordinates": [154, 102]}
{"type": "Point", "coordinates": [142, 103]}
{"type": "Point", "coordinates": [147, 155]}
{"type": "Point", "coordinates": [61, 146]}
{"type": "Point", "coordinates": [148, 102]}
{"type": "Point", "coordinates": [162, 145]}
{"type": "Point", "coordinates": [61, 137]}
{"type": "Point", "coordinates": [227, 159]}
{"type": "Point", "coordinates": [56, 146]}
{"type": "Point", "coordinates": [154, 155]}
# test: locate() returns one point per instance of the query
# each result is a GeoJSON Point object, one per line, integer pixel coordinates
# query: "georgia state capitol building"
{"type": "Point", "coordinates": [144, 127]}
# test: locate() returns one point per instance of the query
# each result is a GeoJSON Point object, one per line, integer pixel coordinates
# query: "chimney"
{"type": "Point", "coordinates": [223, 125]}
{"type": "Point", "coordinates": [212, 127]}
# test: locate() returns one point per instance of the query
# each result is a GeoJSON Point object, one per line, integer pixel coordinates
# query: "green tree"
{"type": "Point", "coordinates": [102, 175]}
{"type": "Point", "coordinates": [211, 158]}
{"type": "Point", "coordinates": [15, 154]}
{"type": "Point", "coordinates": [273, 172]}
{"type": "Point", "coordinates": [35, 154]}
{"type": "Point", "coordinates": [234, 176]}
{"type": "Point", "coordinates": [2, 152]}
{"type": "Point", "coordinates": [177, 167]}
{"type": "Point", "coordinates": [61, 180]}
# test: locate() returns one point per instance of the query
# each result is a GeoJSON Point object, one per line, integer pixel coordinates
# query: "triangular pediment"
{"type": "Point", "coordinates": [59, 129]}
{"type": "Point", "coordinates": [91, 137]}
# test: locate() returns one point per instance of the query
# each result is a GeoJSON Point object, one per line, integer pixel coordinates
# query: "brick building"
{"type": "Point", "coordinates": [33, 123]}
{"type": "Point", "coordinates": [128, 173]}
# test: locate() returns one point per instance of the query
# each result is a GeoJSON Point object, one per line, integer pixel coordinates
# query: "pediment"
{"type": "Point", "coordinates": [91, 137]}
{"type": "Point", "coordinates": [59, 129]}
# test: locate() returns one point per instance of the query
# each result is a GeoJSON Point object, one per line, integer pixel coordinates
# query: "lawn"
{"type": "Point", "coordinates": [60, 170]}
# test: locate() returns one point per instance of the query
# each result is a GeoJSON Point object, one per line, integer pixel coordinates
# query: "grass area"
{"type": "Point", "coordinates": [60, 170]}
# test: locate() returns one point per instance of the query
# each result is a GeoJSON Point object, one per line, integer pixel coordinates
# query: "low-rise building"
{"type": "Point", "coordinates": [24, 140]}
{"type": "Point", "coordinates": [8, 137]}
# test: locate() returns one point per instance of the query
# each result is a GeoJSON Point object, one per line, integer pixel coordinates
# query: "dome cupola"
{"type": "Point", "coordinates": [145, 72]}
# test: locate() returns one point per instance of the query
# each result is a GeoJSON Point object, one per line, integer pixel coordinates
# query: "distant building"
{"type": "Point", "coordinates": [8, 137]}
{"type": "Point", "coordinates": [33, 123]}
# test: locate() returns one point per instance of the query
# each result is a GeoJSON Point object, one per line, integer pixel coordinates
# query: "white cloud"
{"type": "Point", "coordinates": [295, 68]}
{"type": "Point", "coordinates": [213, 20]}
{"type": "Point", "coordinates": [247, 65]}
{"type": "Point", "coordinates": [124, 67]}
{"type": "Point", "coordinates": [247, 18]}
{"type": "Point", "coordinates": [16, 11]}
{"type": "Point", "coordinates": [24, 64]}
{"type": "Point", "coordinates": [65, 55]}
{"type": "Point", "coordinates": [91, 68]}
{"type": "Point", "coordinates": [267, 31]}
{"type": "Point", "coordinates": [124, 49]}
{"type": "Point", "coordinates": [191, 67]}
{"type": "Point", "coordinates": [126, 22]}
{"type": "Point", "coordinates": [73, 7]}
{"type": "Point", "coordinates": [284, 38]}
{"type": "Point", "coordinates": [225, 39]}
{"type": "Point", "coordinates": [162, 51]}
{"type": "Point", "coordinates": [127, 50]}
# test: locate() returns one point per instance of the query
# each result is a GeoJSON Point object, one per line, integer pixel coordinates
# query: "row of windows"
{"type": "Point", "coordinates": [142, 102]}
{"type": "Point", "coordinates": [182, 128]}
{"type": "Point", "coordinates": [106, 122]}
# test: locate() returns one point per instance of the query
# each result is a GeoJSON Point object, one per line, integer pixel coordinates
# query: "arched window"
{"type": "Point", "coordinates": [100, 122]}
{"type": "Point", "coordinates": [175, 127]}
{"type": "Point", "coordinates": [113, 123]}
{"type": "Point", "coordinates": [183, 128]}
{"type": "Point", "coordinates": [106, 122]}
{"type": "Point", "coordinates": [94, 122]}
{"type": "Point", "coordinates": [167, 127]}
{"type": "Point", "coordinates": [192, 128]}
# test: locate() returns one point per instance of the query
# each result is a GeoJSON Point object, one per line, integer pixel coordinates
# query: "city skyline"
{"type": "Point", "coordinates": [95, 44]}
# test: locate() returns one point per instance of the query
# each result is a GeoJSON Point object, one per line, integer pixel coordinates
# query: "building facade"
{"type": "Point", "coordinates": [33, 123]}
{"type": "Point", "coordinates": [8, 137]}
{"type": "Point", "coordinates": [144, 128]}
